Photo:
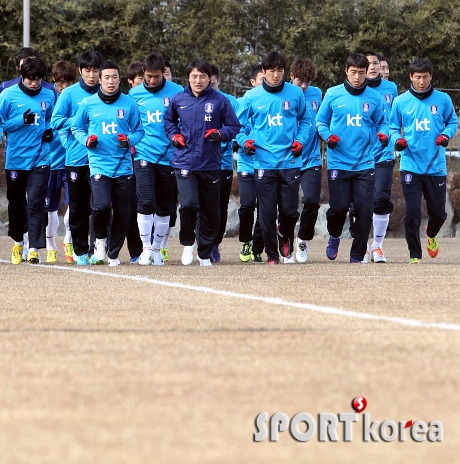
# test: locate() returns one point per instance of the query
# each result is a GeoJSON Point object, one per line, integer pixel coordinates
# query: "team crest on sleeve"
{"type": "Point", "coordinates": [166, 101]}
{"type": "Point", "coordinates": [120, 113]}
{"type": "Point", "coordinates": [366, 107]}
{"type": "Point", "coordinates": [43, 105]}
{"type": "Point", "coordinates": [434, 109]}
{"type": "Point", "coordinates": [408, 178]}
{"type": "Point", "coordinates": [388, 98]}
{"type": "Point", "coordinates": [13, 175]}
{"type": "Point", "coordinates": [286, 105]}
{"type": "Point", "coordinates": [314, 105]}
{"type": "Point", "coordinates": [334, 174]}
{"type": "Point", "coordinates": [208, 107]}
{"type": "Point", "coordinates": [73, 176]}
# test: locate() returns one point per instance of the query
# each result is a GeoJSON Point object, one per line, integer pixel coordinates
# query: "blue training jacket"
{"type": "Point", "coordinates": [62, 119]}
{"type": "Point", "coordinates": [356, 119]}
{"type": "Point", "coordinates": [155, 146]}
{"type": "Point", "coordinates": [26, 149]}
{"type": "Point", "coordinates": [423, 121]}
{"type": "Point", "coordinates": [311, 153]}
{"type": "Point", "coordinates": [274, 120]}
{"type": "Point", "coordinates": [389, 92]}
{"type": "Point", "coordinates": [227, 148]}
{"type": "Point", "coordinates": [106, 121]}
{"type": "Point", "coordinates": [209, 110]}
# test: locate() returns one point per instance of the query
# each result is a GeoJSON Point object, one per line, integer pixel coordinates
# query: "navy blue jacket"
{"type": "Point", "coordinates": [192, 116]}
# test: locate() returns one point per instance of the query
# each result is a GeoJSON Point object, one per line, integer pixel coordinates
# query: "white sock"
{"type": "Point", "coordinates": [51, 229]}
{"type": "Point", "coordinates": [164, 243]}
{"type": "Point", "coordinates": [68, 234]}
{"type": "Point", "coordinates": [19, 243]}
{"type": "Point", "coordinates": [161, 224]}
{"type": "Point", "coordinates": [145, 224]}
{"type": "Point", "coordinates": [380, 222]}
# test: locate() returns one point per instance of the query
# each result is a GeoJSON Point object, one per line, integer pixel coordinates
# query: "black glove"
{"type": "Point", "coordinates": [235, 147]}
{"type": "Point", "coordinates": [47, 135]}
{"type": "Point", "coordinates": [29, 118]}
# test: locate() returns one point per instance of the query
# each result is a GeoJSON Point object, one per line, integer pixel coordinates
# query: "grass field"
{"type": "Point", "coordinates": [172, 365]}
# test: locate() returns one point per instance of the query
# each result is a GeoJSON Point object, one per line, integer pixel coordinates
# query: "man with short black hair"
{"type": "Point", "coordinates": [155, 177]}
{"type": "Point", "coordinates": [249, 234]}
{"type": "Point", "coordinates": [64, 75]}
{"type": "Point", "coordinates": [25, 113]}
{"type": "Point", "coordinates": [197, 121]}
{"type": "Point", "coordinates": [302, 73]}
{"type": "Point", "coordinates": [427, 121]}
{"type": "Point", "coordinates": [108, 125]}
{"type": "Point", "coordinates": [76, 162]}
{"type": "Point", "coordinates": [275, 128]}
{"type": "Point", "coordinates": [350, 117]}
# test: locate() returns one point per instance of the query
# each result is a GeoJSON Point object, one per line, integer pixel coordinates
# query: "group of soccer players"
{"type": "Point", "coordinates": [126, 161]}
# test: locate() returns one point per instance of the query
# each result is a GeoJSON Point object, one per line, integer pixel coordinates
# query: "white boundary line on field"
{"type": "Point", "coordinates": [268, 300]}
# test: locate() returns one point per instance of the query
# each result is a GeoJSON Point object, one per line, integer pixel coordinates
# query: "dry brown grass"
{"type": "Point", "coordinates": [110, 370]}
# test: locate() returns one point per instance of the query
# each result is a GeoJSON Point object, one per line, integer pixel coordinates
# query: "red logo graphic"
{"type": "Point", "coordinates": [359, 403]}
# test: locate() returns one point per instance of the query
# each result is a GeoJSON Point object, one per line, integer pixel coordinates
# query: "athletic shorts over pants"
{"type": "Point", "coordinates": [277, 188]}
{"type": "Point", "coordinates": [433, 189]}
{"type": "Point", "coordinates": [345, 187]}
{"type": "Point", "coordinates": [199, 192]}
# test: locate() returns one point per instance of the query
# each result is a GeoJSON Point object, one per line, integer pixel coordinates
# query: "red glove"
{"type": "Point", "coordinates": [249, 148]}
{"type": "Point", "coordinates": [213, 135]}
{"type": "Point", "coordinates": [442, 140]}
{"type": "Point", "coordinates": [332, 141]}
{"type": "Point", "coordinates": [123, 141]}
{"type": "Point", "coordinates": [91, 141]}
{"type": "Point", "coordinates": [383, 139]}
{"type": "Point", "coordinates": [178, 141]}
{"type": "Point", "coordinates": [400, 144]}
{"type": "Point", "coordinates": [296, 149]}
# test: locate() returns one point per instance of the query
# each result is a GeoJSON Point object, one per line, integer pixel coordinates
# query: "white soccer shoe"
{"type": "Point", "coordinates": [157, 258]}
{"type": "Point", "coordinates": [377, 256]}
{"type": "Point", "coordinates": [289, 259]}
{"type": "Point", "coordinates": [366, 256]}
{"type": "Point", "coordinates": [302, 249]}
{"type": "Point", "coordinates": [100, 249]}
{"type": "Point", "coordinates": [204, 262]}
{"type": "Point", "coordinates": [114, 262]}
{"type": "Point", "coordinates": [187, 255]}
{"type": "Point", "coordinates": [145, 259]}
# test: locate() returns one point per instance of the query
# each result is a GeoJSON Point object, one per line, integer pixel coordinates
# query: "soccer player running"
{"type": "Point", "coordinates": [155, 176]}
{"type": "Point", "coordinates": [76, 162]}
{"type": "Point", "coordinates": [25, 113]}
{"type": "Point", "coordinates": [226, 174]}
{"type": "Point", "coordinates": [384, 164]}
{"type": "Point", "coordinates": [64, 74]}
{"type": "Point", "coordinates": [428, 120]}
{"type": "Point", "coordinates": [206, 119]}
{"type": "Point", "coordinates": [253, 243]}
{"type": "Point", "coordinates": [275, 128]}
{"type": "Point", "coordinates": [350, 117]}
{"type": "Point", "coordinates": [108, 125]}
{"type": "Point", "coordinates": [302, 73]}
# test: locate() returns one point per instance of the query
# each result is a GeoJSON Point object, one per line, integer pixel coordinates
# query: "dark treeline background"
{"type": "Point", "coordinates": [235, 34]}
